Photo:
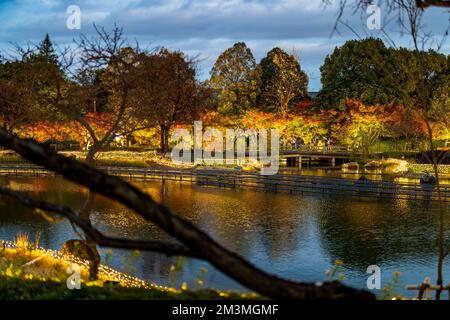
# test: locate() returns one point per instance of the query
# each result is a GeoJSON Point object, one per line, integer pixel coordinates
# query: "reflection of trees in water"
{"type": "Point", "coordinates": [241, 220]}
{"type": "Point", "coordinates": [368, 232]}
{"type": "Point", "coordinates": [279, 223]}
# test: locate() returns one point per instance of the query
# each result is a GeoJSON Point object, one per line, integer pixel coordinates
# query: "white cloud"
{"type": "Point", "coordinates": [201, 28]}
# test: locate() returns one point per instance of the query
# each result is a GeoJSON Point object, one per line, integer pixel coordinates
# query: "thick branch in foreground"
{"type": "Point", "coordinates": [171, 249]}
{"type": "Point", "coordinates": [423, 4]}
{"type": "Point", "coordinates": [196, 240]}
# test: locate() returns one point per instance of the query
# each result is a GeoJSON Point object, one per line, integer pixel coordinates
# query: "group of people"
{"type": "Point", "coordinates": [298, 143]}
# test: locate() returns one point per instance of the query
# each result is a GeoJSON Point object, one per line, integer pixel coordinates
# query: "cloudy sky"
{"type": "Point", "coordinates": [202, 28]}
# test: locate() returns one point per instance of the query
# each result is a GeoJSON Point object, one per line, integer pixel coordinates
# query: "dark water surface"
{"type": "Point", "coordinates": [293, 236]}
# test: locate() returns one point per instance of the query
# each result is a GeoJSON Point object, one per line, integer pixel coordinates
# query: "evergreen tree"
{"type": "Point", "coordinates": [46, 50]}
{"type": "Point", "coordinates": [369, 72]}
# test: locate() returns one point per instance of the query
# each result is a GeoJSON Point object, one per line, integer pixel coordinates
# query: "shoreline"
{"type": "Point", "coordinates": [288, 183]}
{"type": "Point", "coordinates": [420, 169]}
{"type": "Point", "coordinates": [112, 284]}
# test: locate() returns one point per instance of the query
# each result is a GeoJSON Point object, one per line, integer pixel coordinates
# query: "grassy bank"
{"type": "Point", "coordinates": [423, 168]}
{"type": "Point", "coordinates": [152, 160]}
{"type": "Point", "coordinates": [35, 273]}
{"type": "Point", "coordinates": [16, 288]}
{"type": "Point", "coordinates": [113, 158]}
{"type": "Point", "coordinates": [132, 159]}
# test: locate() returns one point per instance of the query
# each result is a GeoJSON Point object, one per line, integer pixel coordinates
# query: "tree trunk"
{"type": "Point", "coordinates": [164, 140]}
{"type": "Point", "coordinates": [441, 237]}
{"type": "Point", "coordinates": [85, 214]}
{"type": "Point", "coordinates": [92, 152]}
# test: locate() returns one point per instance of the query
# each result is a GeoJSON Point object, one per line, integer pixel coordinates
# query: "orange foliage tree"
{"type": "Point", "coordinates": [68, 130]}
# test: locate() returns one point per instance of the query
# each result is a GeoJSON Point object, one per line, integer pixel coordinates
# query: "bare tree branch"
{"type": "Point", "coordinates": [402, 12]}
{"type": "Point", "coordinates": [171, 249]}
{"type": "Point", "coordinates": [423, 4]}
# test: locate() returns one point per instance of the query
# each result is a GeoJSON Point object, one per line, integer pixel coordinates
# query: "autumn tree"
{"type": "Point", "coordinates": [107, 79]}
{"type": "Point", "coordinates": [440, 107]}
{"type": "Point", "coordinates": [362, 72]}
{"type": "Point", "coordinates": [283, 83]}
{"type": "Point", "coordinates": [362, 126]}
{"type": "Point", "coordinates": [235, 77]}
{"type": "Point", "coordinates": [421, 82]}
{"type": "Point", "coordinates": [169, 91]}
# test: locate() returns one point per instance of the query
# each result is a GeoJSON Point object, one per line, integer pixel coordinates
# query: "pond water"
{"type": "Point", "coordinates": [356, 174]}
{"type": "Point", "coordinates": [293, 236]}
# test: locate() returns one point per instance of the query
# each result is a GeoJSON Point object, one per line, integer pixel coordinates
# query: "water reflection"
{"type": "Point", "coordinates": [291, 235]}
{"type": "Point", "coordinates": [356, 174]}
{"type": "Point", "coordinates": [366, 233]}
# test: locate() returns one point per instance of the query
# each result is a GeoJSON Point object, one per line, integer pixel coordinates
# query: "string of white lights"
{"type": "Point", "coordinates": [107, 272]}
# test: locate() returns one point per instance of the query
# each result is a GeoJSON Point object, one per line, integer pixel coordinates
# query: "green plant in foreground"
{"type": "Point", "coordinates": [389, 291]}
{"type": "Point", "coordinates": [336, 274]}
{"type": "Point", "coordinates": [18, 288]}
{"type": "Point", "coordinates": [200, 279]}
{"type": "Point", "coordinates": [108, 257]}
{"type": "Point", "coordinates": [175, 270]}
{"type": "Point", "coordinates": [130, 263]}
{"type": "Point", "coordinates": [46, 279]}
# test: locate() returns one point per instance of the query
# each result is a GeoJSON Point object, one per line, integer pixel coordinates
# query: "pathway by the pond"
{"type": "Point", "coordinates": [290, 183]}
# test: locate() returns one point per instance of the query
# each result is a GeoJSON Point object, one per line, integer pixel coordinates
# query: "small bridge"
{"type": "Point", "coordinates": [333, 155]}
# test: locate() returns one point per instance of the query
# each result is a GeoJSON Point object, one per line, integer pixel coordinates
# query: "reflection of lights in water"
{"type": "Point", "coordinates": [405, 180]}
{"type": "Point", "coordinates": [403, 206]}
{"type": "Point", "coordinates": [107, 272]}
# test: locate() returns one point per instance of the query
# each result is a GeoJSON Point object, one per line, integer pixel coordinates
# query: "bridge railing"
{"type": "Point", "coordinates": [317, 149]}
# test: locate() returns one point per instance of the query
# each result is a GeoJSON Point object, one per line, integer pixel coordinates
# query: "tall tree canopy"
{"type": "Point", "coordinates": [408, 86]}
{"type": "Point", "coordinates": [354, 71]}
{"type": "Point", "coordinates": [45, 74]}
{"type": "Point", "coordinates": [18, 103]}
{"type": "Point", "coordinates": [235, 77]}
{"type": "Point", "coordinates": [109, 78]}
{"type": "Point", "coordinates": [367, 71]}
{"type": "Point", "coordinates": [169, 91]}
{"type": "Point", "coordinates": [45, 51]}
{"type": "Point", "coordinates": [440, 102]}
{"type": "Point", "coordinates": [283, 83]}
{"type": "Point", "coordinates": [28, 85]}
